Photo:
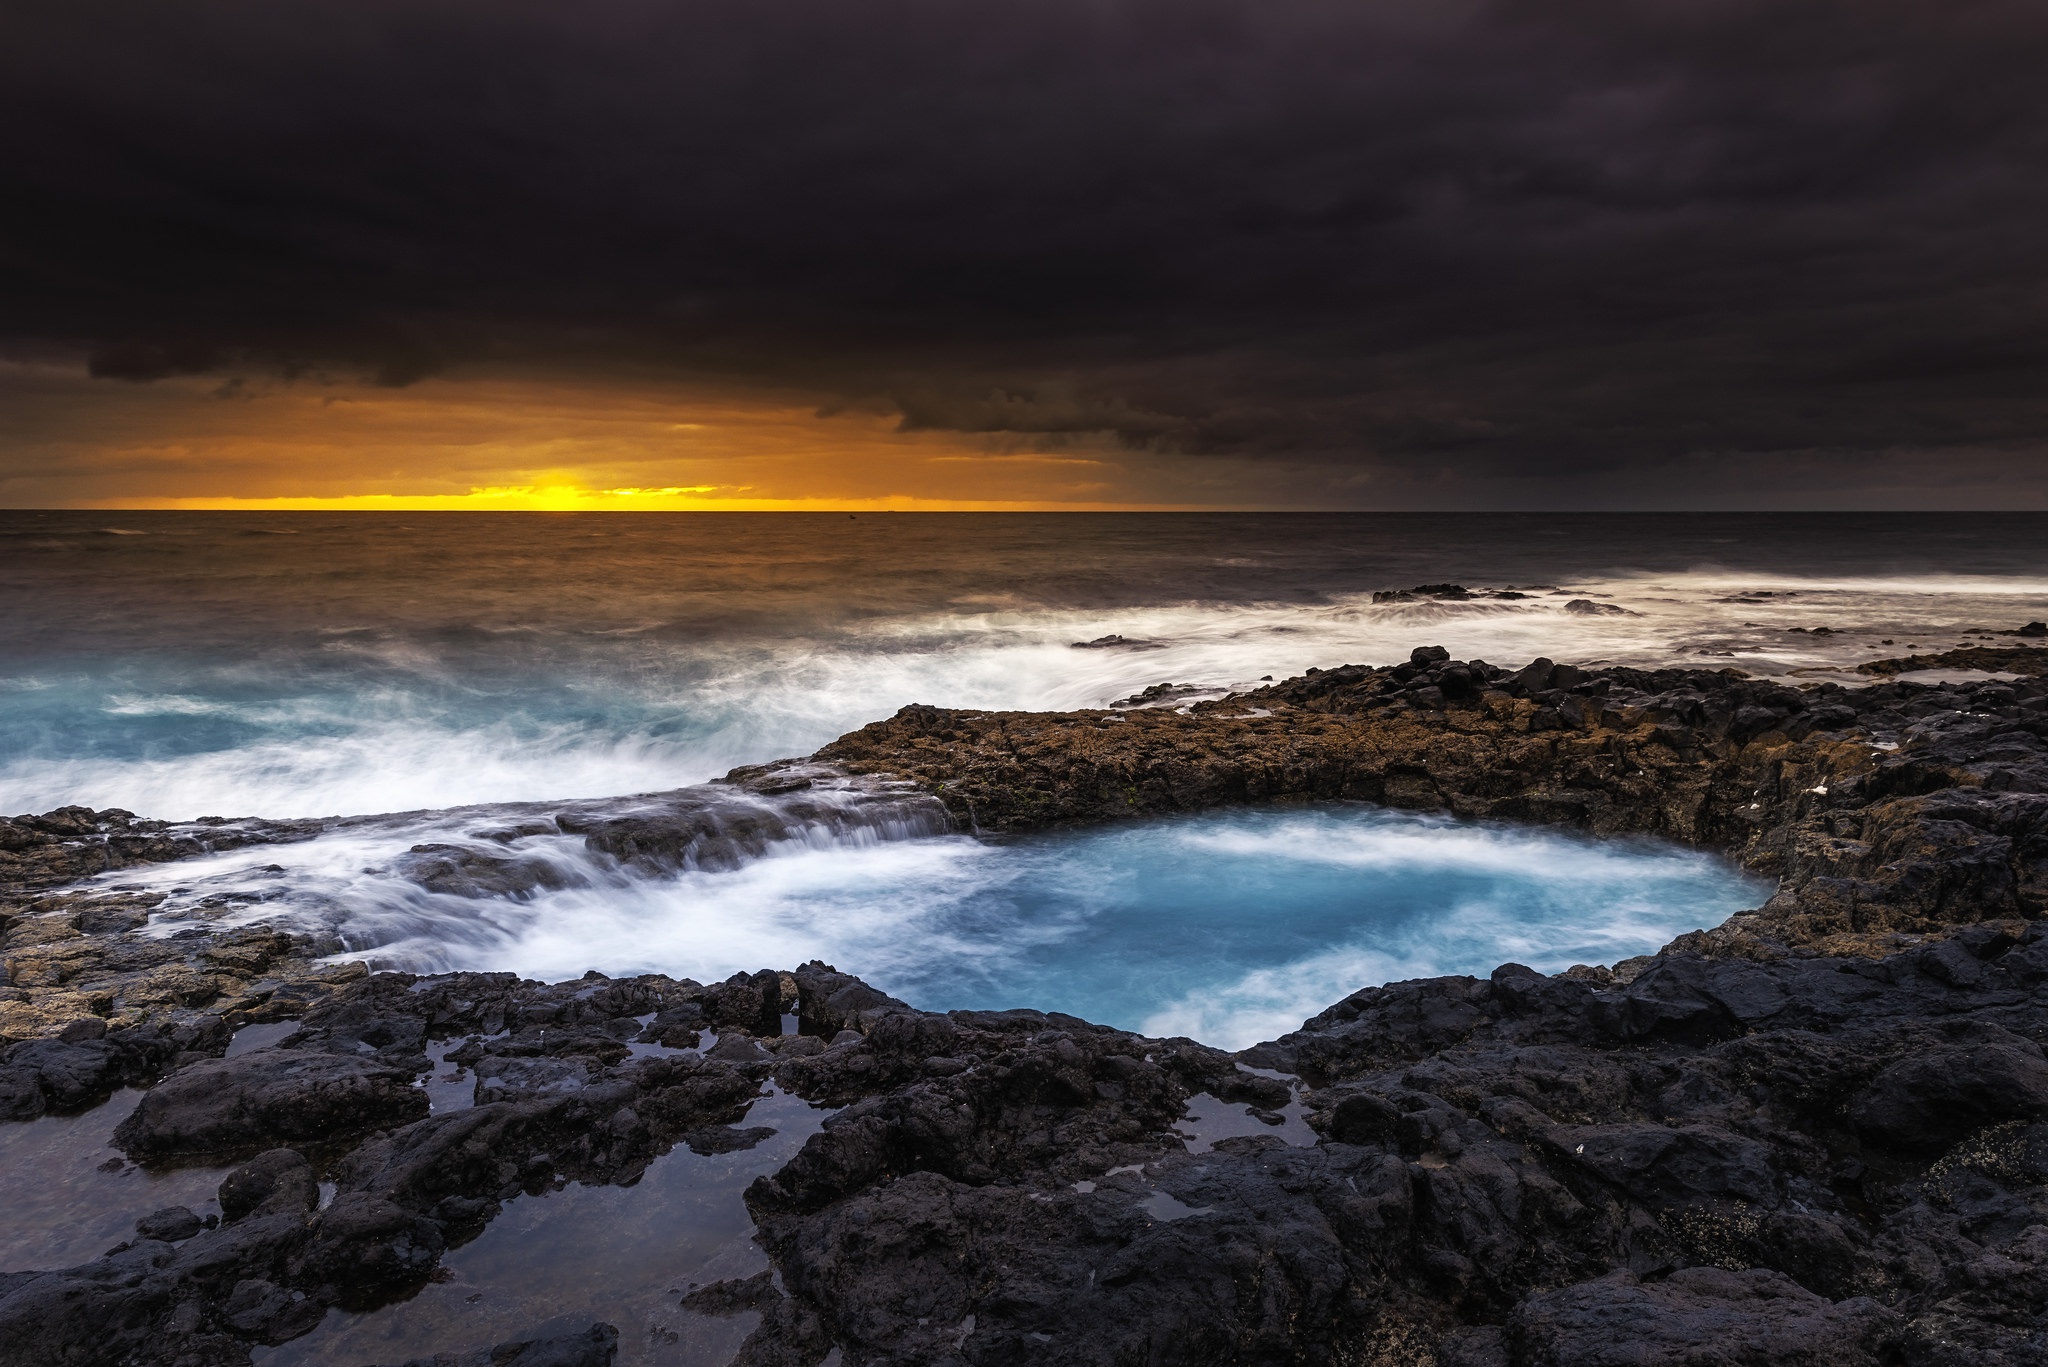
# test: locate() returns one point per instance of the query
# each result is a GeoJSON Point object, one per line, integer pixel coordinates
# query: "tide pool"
{"type": "Point", "coordinates": [1229, 927]}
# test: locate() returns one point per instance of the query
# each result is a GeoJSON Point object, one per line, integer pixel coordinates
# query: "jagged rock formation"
{"type": "Point", "coordinates": [2024, 660]}
{"type": "Point", "coordinates": [1816, 1136]}
{"type": "Point", "coordinates": [1815, 1160]}
{"type": "Point", "coordinates": [66, 955]}
{"type": "Point", "coordinates": [1894, 808]}
{"type": "Point", "coordinates": [71, 843]}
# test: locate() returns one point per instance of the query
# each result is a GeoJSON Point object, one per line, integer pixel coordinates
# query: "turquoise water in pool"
{"type": "Point", "coordinates": [1234, 927]}
{"type": "Point", "coordinates": [1230, 927]}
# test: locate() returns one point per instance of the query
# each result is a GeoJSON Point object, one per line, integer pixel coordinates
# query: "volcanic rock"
{"type": "Point", "coordinates": [2029, 660]}
{"type": "Point", "coordinates": [1118, 643]}
{"type": "Point", "coordinates": [222, 1106]}
{"type": "Point", "coordinates": [276, 1182]}
{"type": "Point", "coordinates": [172, 1224]}
{"type": "Point", "coordinates": [1697, 1317]}
{"type": "Point", "coordinates": [1818, 1134]}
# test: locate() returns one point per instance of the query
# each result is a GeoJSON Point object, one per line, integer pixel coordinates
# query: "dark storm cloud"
{"type": "Point", "coordinates": [1534, 235]}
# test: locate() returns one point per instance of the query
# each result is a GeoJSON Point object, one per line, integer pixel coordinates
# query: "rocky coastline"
{"type": "Point", "coordinates": [1817, 1134]}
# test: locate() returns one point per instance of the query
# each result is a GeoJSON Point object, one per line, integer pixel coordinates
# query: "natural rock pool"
{"type": "Point", "coordinates": [1228, 927]}
{"type": "Point", "coordinates": [1842, 1094]}
{"type": "Point", "coordinates": [72, 1196]}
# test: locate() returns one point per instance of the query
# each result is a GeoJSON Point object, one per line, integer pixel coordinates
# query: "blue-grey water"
{"type": "Point", "coordinates": [186, 664]}
{"type": "Point", "coordinates": [181, 665]}
{"type": "Point", "coordinates": [1229, 927]}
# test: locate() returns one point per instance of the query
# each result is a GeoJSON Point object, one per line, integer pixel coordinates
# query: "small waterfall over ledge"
{"type": "Point", "coordinates": [388, 888]}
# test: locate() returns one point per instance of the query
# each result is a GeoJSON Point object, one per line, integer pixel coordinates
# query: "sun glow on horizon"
{"type": "Point", "coordinates": [563, 498]}
{"type": "Point", "coordinates": [511, 443]}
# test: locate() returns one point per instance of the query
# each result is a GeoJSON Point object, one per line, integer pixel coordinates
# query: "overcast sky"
{"type": "Point", "coordinates": [1718, 253]}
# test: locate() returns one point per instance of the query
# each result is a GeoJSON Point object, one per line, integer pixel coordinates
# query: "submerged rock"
{"type": "Point", "coordinates": [172, 1224]}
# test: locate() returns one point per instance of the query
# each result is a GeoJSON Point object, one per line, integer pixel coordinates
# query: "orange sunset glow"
{"type": "Point", "coordinates": [516, 443]}
{"type": "Point", "coordinates": [1204, 254]}
{"type": "Point", "coordinates": [1300, 683]}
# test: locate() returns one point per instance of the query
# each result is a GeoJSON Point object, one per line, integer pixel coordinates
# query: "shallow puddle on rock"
{"type": "Point", "coordinates": [1161, 1206]}
{"type": "Point", "coordinates": [449, 1086]}
{"type": "Point", "coordinates": [250, 1038]}
{"type": "Point", "coordinates": [1209, 1120]}
{"type": "Point", "coordinates": [1156, 1202]}
{"type": "Point", "coordinates": [63, 1208]}
{"type": "Point", "coordinates": [560, 1261]}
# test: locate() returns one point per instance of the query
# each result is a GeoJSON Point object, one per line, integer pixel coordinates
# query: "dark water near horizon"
{"type": "Point", "coordinates": [181, 665]}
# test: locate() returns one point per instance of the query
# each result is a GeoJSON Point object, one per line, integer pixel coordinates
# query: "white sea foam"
{"type": "Point", "coordinates": [1640, 894]}
{"type": "Point", "coordinates": [629, 713]}
{"type": "Point", "coordinates": [374, 768]}
{"type": "Point", "coordinates": [1473, 938]}
{"type": "Point", "coordinates": [856, 896]}
{"type": "Point", "coordinates": [1407, 842]}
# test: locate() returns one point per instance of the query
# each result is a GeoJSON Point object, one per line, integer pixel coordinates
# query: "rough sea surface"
{"type": "Point", "coordinates": [183, 665]}
{"type": "Point", "coordinates": [311, 664]}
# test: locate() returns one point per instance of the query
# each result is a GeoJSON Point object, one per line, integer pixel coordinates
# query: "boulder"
{"type": "Point", "coordinates": [280, 1181]}
{"type": "Point", "coordinates": [271, 1096]}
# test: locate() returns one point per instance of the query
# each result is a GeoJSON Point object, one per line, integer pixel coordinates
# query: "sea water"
{"type": "Point", "coordinates": [181, 665]}
{"type": "Point", "coordinates": [187, 664]}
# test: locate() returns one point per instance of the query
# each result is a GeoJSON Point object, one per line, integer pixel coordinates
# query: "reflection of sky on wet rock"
{"type": "Point", "coordinates": [1230, 927]}
{"type": "Point", "coordinates": [71, 1195]}
{"type": "Point", "coordinates": [559, 1261]}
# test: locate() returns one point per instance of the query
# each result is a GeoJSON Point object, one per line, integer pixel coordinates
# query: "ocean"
{"type": "Point", "coordinates": [310, 665]}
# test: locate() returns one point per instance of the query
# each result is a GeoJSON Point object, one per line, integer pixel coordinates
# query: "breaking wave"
{"type": "Point", "coordinates": [446, 718]}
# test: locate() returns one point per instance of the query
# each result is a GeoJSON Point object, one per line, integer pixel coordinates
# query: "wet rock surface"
{"type": "Point", "coordinates": [1816, 1159]}
{"type": "Point", "coordinates": [1695, 1317]}
{"type": "Point", "coordinates": [70, 843]}
{"type": "Point", "coordinates": [335, 1101]}
{"type": "Point", "coordinates": [594, 1347]}
{"type": "Point", "coordinates": [1817, 1135]}
{"type": "Point", "coordinates": [1898, 808]}
{"type": "Point", "coordinates": [68, 953]}
{"type": "Point", "coordinates": [2028, 660]}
